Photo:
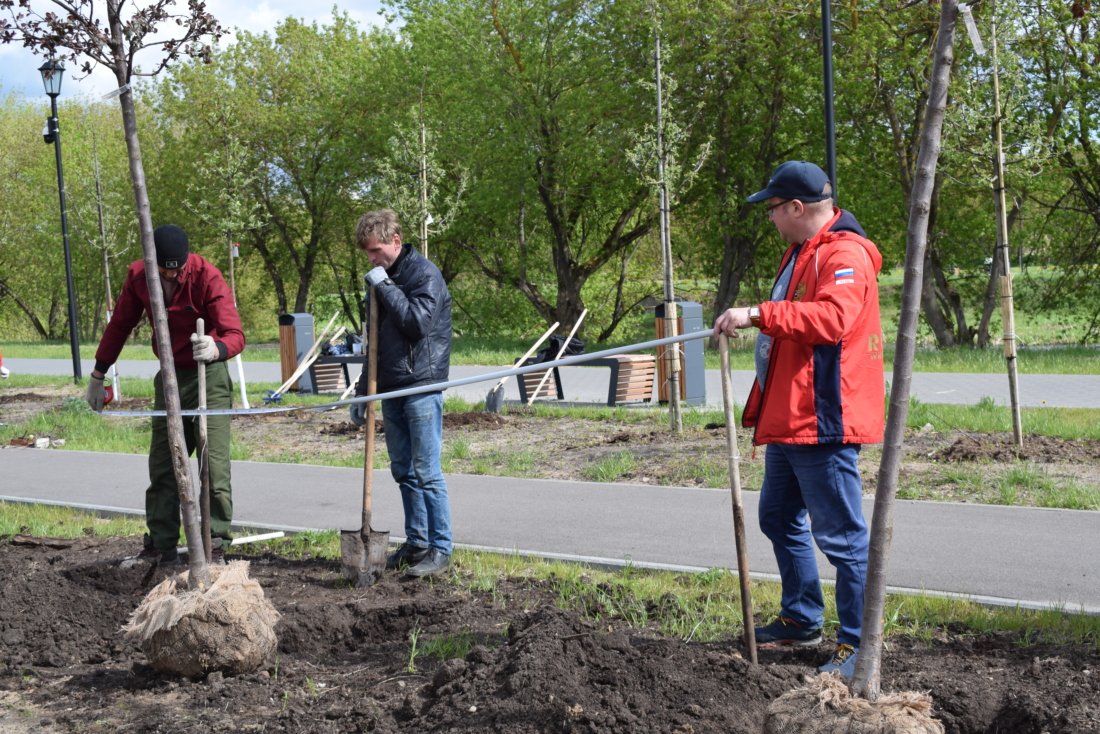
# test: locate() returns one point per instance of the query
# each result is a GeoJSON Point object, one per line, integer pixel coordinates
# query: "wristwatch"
{"type": "Point", "coordinates": [754, 316]}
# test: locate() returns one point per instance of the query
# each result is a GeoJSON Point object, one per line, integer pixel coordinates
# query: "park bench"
{"type": "Point", "coordinates": [631, 380]}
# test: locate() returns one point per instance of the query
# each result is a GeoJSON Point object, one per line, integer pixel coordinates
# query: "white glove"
{"type": "Point", "coordinates": [375, 277]}
{"type": "Point", "coordinates": [203, 348]}
{"type": "Point", "coordinates": [358, 413]}
{"type": "Point", "coordinates": [96, 394]}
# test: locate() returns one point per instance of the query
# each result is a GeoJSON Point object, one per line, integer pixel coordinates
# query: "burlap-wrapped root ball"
{"type": "Point", "coordinates": [228, 627]}
{"type": "Point", "coordinates": [824, 706]}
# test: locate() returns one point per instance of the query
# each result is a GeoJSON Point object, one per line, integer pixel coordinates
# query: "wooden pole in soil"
{"type": "Point", "coordinates": [735, 497]}
{"type": "Point", "coordinates": [201, 452]}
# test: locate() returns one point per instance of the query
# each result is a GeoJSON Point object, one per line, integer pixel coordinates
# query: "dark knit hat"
{"type": "Point", "coordinates": [172, 246]}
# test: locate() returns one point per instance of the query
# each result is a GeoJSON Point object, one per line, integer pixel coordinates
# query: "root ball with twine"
{"type": "Point", "coordinates": [228, 627]}
{"type": "Point", "coordinates": [824, 706]}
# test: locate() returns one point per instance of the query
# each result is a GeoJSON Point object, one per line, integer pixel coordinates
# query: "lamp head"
{"type": "Point", "coordinates": [52, 72]}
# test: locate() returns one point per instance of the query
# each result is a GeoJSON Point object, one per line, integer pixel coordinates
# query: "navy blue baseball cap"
{"type": "Point", "coordinates": [800, 180]}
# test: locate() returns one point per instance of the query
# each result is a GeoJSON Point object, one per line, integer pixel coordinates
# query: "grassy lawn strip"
{"type": "Point", "coordinates": [704, 607]}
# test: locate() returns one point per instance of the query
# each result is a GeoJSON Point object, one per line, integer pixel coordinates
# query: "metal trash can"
{"type": "Point", "coordinates": [295, 339]}
{"type": "Point", "coordinates": [693, 389]}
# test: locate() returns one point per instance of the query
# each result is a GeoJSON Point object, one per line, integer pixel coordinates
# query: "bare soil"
{"type": "Point", "coordinates": [347, 661]}
{"type": "Point", "coordinates": [345, 664]}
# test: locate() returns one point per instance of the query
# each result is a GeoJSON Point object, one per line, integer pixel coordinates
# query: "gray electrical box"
{"type": "Point", "coordinates": [693, 388]}
{"type": "Point", "coordinates": [295, 339]}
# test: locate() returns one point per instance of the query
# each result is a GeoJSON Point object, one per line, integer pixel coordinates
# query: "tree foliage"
{"type": "Point", "coordinates": [535, 117]}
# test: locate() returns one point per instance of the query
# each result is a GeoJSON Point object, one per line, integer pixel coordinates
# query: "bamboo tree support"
{"type": "Point", "coordinates": [201, 452]}
{"type": "Point", "coordinates": [675, 411]}
{"type": "Point", "coordinates": [735, 499]}
{"type": "Point", "coordinates": [423, 178]}
{"type": "Point", "coordinates": [1007, 311]}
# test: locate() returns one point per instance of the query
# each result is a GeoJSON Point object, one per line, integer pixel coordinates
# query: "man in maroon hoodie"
{"type": "Point", "coordinates": [193, 289]}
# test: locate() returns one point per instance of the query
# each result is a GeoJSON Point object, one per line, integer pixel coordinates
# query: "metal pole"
{"type": "Point", "coordinates": [74, 345]}
{"type": "Point", "coordinates": [830, 124]}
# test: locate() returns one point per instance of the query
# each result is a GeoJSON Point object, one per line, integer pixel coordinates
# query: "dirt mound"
{"type": "Point", "coordinates": [1001, 447]}
{"type": "Point", "coordinates": [352, 660]}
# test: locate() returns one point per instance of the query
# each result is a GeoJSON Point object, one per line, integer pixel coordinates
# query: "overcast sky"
{"type": "Point", "coordinates": [19, 67]}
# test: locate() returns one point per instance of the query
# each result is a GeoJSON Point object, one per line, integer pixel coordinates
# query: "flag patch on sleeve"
{"type": "Point", "coordinates": [844, 276]}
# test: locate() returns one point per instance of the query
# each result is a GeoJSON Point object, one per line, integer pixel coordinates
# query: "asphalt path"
{"type": "Point", "coordinates": [1035, 558]}
{"type": "Point", "coordinates": [589, 384]}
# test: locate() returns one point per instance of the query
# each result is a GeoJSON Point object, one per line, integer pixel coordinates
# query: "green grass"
{"type": "Point", "coordinates": [987, 417]}
{"type": "Point", "coordinates": [612, 468]}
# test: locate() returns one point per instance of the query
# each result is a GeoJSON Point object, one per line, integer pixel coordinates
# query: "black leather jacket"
{"type": "Point", "coordinates": [414, 325]}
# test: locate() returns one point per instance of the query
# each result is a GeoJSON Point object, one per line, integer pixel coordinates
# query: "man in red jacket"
{"type": "Point", "coordinates": [818, 396]}
{"type": "Point", "coordinates": [193, 289]}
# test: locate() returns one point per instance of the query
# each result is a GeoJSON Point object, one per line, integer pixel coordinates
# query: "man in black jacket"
{"type": "Point", "coordinates": [414, 349]}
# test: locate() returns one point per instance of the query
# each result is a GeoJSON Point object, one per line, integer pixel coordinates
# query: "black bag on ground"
{"type": "Point", "coordinates": [550, 351]}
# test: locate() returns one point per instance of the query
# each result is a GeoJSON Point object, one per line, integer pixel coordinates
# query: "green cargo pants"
{"type": "Point", "coordinates": [162, 502]}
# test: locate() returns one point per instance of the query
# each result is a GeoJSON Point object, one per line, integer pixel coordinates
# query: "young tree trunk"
{"type": "Point", "coordinates": [865, 682]}
{"type": "Point", "coordinates": [181, 465]}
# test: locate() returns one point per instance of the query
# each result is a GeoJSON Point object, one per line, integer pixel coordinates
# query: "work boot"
{"type": "Point", "coordinates": [784, 632]}
{"type": "Point", "coordinates": [217, 552]}
{"type": "Point", "coordinates": [405, 556]}
{"type": "Point", "coordinates": [149, 554]}
{"type": "Point", "coordinates": [436, 562]}
{"type": "Point", "coordinates": [843, 661]}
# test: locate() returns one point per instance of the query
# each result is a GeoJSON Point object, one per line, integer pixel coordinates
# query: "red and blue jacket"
{"type": "Point", "coordinates": [825, 379]}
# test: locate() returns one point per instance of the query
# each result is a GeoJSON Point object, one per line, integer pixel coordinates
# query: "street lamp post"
{"type": "Point", "coordinates": [52, 72]}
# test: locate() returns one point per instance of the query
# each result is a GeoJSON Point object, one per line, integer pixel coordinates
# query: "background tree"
{"type": "Point", "coordinates": [555, 199]}
{"type": "Point", "coordinates": [306, 105]}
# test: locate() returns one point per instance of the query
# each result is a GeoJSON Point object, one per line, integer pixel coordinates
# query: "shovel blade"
{"type": "Point", "coordinates": [495, 399]}
{"type": "Point", "coordinates": [363, 555]}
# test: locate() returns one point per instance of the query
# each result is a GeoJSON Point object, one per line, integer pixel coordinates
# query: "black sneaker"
{"type": "Point", "coordinates": [405, 556]}
{"type": "Point", "coordinates": [784, 631]}
{"type": "Point", "coordinates": [436, 562]}
{"type": "Point", "coordinates": [843, 661]}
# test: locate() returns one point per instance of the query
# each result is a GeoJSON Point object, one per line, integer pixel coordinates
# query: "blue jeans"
{"type": "Point", "coordinates": [414, 439]}
{"type": "Point", "coordinates": [815, 490]}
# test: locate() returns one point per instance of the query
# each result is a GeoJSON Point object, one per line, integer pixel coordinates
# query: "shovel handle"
{"type": "Point", "coordinates": [372, 388]}
{"type": "Point", "coordinates": [201, 452]}
{"type": "Point", "coordinates": [735, 499]}
{"type": "Point", "coordinates": [546, 334]}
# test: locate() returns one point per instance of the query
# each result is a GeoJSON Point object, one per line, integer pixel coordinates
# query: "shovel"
{"type": "Point", "coordinates": [495, 399]}
{"type": "Point", "coordinates": [201, 451]}
{"type": "Point", "coordinates": [363, 551]}
{"type": "Point", "coordinates": [735, 499]}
